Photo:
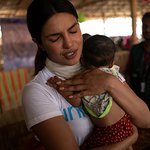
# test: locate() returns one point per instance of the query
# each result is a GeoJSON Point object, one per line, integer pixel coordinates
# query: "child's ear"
{"type": "Point", "coordinates": [111, 64]}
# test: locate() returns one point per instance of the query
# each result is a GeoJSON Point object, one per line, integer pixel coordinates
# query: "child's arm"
{"type": "Point", "coordinates": [55, 82]}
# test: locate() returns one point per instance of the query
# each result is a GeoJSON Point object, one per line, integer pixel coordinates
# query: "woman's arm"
{"type": "Point", "coordinates": [55, 134]}
{"type": "Point", "coordinates": [96, 82]}
{"type": "Point", "coordinates": [131, 103]}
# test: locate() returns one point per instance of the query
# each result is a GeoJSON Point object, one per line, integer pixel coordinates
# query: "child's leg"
{"type": "Point", "coordinates": [111, 134]}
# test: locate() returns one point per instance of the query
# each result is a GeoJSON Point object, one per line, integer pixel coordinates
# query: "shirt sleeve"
{"type": "Point", "coordinates": [115, 71]}
{"type": "Point", "coordinates": [39, 104]}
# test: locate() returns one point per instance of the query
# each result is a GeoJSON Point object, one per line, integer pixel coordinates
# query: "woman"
{"type": "Point", "coordinates": [54, 28]}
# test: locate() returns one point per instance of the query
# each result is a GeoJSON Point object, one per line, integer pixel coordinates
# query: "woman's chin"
{"type": "Point", "coordinates": [70, 63]}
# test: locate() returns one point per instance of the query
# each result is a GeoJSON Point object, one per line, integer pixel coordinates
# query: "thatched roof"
{"type": "Point", "coordinates": [113, 8]}
{"type": "Point", "coordinates": [90, 8]}
{"type": "Point", "coordinates": [13, 8]}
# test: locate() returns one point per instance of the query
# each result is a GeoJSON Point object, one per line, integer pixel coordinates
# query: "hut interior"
{"type": "Point", "coordinates": [17, 52]}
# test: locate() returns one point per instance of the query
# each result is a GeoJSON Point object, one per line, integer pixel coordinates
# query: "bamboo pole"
{"type": "Point", "coordinates": [133, 4]}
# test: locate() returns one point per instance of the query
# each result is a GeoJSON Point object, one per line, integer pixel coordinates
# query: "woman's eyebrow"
{"type": "Point", "coordinates": [56, 34]}
{"type": "Point", "coordinates": [76, 23]}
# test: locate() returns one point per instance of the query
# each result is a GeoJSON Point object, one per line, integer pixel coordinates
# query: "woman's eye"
{"type": "Point", "coordinates": [73, 31]}
{"type": "Point", "coordinates": [54, 39]}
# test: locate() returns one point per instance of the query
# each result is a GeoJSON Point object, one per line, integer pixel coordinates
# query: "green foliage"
{"type": "Point", "coordinates": [81, 17]}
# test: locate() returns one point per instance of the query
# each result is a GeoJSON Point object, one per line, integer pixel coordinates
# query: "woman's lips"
{"type": "Point", "coordinates": [70, 55]}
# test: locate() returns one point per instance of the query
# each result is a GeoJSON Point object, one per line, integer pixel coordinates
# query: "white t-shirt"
{"type": "Point", "coordinates": [41, 102]}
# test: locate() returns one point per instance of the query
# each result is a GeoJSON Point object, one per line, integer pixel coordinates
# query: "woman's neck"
{"type": "Point", "coordinates": [63, 70]}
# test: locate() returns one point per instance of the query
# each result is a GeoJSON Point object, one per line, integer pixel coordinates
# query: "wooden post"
{"type": "Point", "coordinates": [133, 4]}
{"type": "Point", "coordinates": [1, 53]}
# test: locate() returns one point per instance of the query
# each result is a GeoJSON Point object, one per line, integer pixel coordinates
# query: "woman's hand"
{"type": "Point", "coordinates": [56, 82]}
{"type": "Point", "coordinates": [91, 82]}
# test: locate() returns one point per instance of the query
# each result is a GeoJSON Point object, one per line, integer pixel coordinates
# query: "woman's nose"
{"type": "Point", "coordinates": [67, 42]}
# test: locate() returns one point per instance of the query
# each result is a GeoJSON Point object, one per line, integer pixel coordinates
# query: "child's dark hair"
{"type": "Point", "coordinates": [38, 12]}
{"type": "Point", "coordinates": [99, 50]}
{"type": "Point", "coordinates": [85, 36]}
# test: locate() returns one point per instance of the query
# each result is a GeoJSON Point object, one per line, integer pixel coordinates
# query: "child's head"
{"type": "Point", "coordinates": [98, 50]}
{"type": "Point", "coordinates": [85, 36]}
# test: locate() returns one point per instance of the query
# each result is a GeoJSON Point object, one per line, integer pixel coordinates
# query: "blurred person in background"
{"type": "Point", "coordinates": [138, 67]}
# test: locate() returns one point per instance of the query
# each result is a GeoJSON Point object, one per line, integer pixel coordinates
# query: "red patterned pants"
{"type": "Point", "coordinates": [111, 134]}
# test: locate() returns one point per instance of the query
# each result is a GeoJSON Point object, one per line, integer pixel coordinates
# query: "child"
{"type": "Point", "coordinates": [112, 124]}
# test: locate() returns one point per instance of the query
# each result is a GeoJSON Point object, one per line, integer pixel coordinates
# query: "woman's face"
{"type": "Point", "coordinates": [62, 39]}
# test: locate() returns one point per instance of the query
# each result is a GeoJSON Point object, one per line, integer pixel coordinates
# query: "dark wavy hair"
{"type": "Point", "coordinates": [38, 12]}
